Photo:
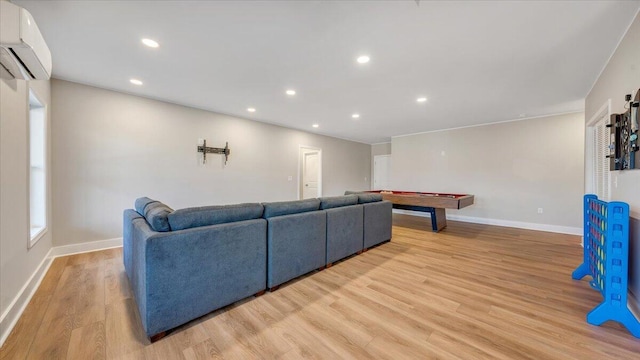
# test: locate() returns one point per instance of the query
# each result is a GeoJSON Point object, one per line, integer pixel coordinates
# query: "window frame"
{"type": "Point", "coordinates": [34, 237]}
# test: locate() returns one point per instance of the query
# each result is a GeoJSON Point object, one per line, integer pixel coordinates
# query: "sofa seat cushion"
{"type": "Point", "coordinates": [290, 207]}
{"type": "Point", "coordinates": [364, 198]}
{"type": "Point", "coordinates": [155, 213]}
{"type": "Point", "coordinates": [213, 215]}
{"type": "Point", "coordinates": [338, 201]}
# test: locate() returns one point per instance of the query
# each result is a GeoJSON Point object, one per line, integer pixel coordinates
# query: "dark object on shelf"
{"type": "Point", "coordinates": [625, 145]}
{"type": "Point", "coordinates": [212, 150]}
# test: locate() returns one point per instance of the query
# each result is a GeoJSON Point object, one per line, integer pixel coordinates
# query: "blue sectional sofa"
{"type": "Point", "coordinates": [186, 263]}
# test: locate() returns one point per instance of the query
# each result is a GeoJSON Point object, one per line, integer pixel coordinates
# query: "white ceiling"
{"type": "Point", "coordinates": [477, 62]}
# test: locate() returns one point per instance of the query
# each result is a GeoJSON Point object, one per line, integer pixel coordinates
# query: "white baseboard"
{"type": "Point", "coordinates": [85, 247]}
{"type": "Point", "coordinates": [10, 317]}
{"type": "Point", "coordinates": [498, 222]}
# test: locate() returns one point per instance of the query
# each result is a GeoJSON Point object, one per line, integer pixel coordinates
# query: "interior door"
{"type": "Point", "coordinates": [310, 174]}
{"type": "Point", "coordinates": [381, 172]}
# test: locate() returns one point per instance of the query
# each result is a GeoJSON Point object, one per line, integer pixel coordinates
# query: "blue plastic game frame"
{"type": "Point", "coordinates": [606, 260]}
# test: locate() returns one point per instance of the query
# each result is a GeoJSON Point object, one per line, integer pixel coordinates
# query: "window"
{"type": "Point", "coordinates": [37, 168]}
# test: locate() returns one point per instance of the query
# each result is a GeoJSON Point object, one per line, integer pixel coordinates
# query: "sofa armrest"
{"type": "Point", "coordinates": [128, 218]}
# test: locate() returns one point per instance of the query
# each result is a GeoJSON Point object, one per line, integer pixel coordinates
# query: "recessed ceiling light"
{"type": "Point", "coordinates": [315, 125]}
{"type": "Point", "coordinates": [363, 59]}
{"type": "Point", "coordinates": [135, 82]}
{"type": "Point", "coordinates": [150, 43]}
{"type": "Point", "coordinates": [355, 116]}
{"type": "Point", "coordinates": [421, 99]}
{"type": "Point", "coordinates": [291, 92]}
{"type": "Point", "coordinates": [251, 110]}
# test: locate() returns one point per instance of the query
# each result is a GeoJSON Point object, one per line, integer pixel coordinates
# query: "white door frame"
{"type": "Point", "coordinates": [590, 151]}
{"type": "Point", "coordinates": [301, 149]}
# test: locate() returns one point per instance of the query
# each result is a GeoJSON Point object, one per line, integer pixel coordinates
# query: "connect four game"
{"type": "Point", "coordinates": [606, 260]}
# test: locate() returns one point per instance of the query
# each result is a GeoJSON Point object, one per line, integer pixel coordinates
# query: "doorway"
{"type": "Point", "coordinates": [310, 174]}
{"type": "Point", "coordinates": [381, 171]}
{"type": "Point", "coordinates": [598, 175]}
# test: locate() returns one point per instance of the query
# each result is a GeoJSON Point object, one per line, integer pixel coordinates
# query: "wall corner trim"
{"type": "Point", "coordinates": [10, 317]}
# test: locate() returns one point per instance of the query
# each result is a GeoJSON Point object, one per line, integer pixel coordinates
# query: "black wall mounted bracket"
{"type": "Point", "coordinates": [204, 149]}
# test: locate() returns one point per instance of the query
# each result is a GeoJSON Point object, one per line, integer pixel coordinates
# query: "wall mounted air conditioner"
{"type": "Point", "coordinates": [23, 52]}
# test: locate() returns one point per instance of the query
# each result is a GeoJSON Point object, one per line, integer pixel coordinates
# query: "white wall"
{"type": "Point", "coordinates": [622, 76]}
{"type": "Point", "coordinates": [512, 168]}
{"type": "Point", "coordinates": [17, 262]}
{"type": "Point", "coordinates": [381, 149]}
{"type": "Point", "coordinates": [110, 148]}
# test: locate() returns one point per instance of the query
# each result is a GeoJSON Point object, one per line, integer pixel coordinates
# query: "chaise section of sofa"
{"type": "Point", "coordinates": [345, 220]}
{"type": "Point", "coordinates": [296, 239]}
{"type": "Point", "coordinates": [208, 258]}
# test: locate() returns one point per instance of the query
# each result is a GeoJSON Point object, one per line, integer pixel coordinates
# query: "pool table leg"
{"type": "Point", "coordinates": [438, 219]}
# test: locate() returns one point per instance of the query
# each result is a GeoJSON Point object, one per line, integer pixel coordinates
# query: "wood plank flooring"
{"type": "Point", "coordinates": [469, 292]}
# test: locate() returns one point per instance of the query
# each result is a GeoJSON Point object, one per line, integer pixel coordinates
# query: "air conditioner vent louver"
{"type": "Point", "coordinates": [24, 66]}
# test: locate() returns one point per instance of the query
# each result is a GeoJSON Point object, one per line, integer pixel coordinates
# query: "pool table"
{"type": "Point", "coordinates": [433, 203]}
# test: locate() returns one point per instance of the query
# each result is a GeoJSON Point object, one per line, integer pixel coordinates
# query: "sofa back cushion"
{"type": "Point", "coordinates": [351, 192]}
{"type": "Point", "coordinates": [155, 212]}
{"type": "Point", "coordinates": [213, 215]}
{"type": "Point", "coordinates": [364, 198]}
{"type": "Point", "coordinates": [290, 207]}
{"type": "Point", "coordinates": [338, 201]}
{"type": "Point", "coordinates": [141, 203]}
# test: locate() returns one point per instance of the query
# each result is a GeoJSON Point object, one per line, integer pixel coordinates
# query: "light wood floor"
{"type": "Point", "coordinates": [469, 292]}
